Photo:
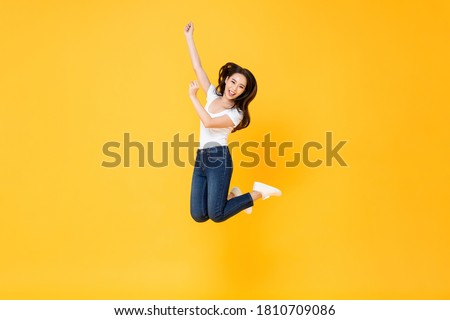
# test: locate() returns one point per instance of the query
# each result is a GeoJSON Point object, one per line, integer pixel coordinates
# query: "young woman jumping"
{"type": "Point", "coordinates": [226, 111]}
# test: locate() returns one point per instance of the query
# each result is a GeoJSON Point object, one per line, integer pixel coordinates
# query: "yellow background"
{"type": "Point", "coordinates": [76, 74]}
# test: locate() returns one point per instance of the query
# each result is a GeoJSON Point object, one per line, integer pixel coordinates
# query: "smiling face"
{"type": "Point", "coordinates": [235, 85]}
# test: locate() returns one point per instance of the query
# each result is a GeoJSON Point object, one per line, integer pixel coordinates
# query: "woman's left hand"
{"type": "Point", "coordinates": [193, 88]}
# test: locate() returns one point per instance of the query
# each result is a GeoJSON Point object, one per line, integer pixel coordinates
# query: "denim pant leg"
{"type": "Point", "coordinates": [199, 211]}
{"type": "Point", "coordinates": [218, 169]}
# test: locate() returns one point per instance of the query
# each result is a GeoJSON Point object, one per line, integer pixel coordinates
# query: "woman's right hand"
{"type": "Point", "coordinates": [189, 29]}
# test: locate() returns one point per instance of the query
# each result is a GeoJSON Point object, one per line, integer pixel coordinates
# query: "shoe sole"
{"type": "Point", "coordinates": [268, 189]}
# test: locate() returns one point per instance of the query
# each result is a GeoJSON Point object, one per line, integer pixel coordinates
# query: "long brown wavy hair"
{"type": "Point", "coordinates": [241, 102]}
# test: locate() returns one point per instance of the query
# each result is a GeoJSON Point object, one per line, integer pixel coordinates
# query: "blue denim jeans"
{"type": "Point", "coordinates": [210, 183]}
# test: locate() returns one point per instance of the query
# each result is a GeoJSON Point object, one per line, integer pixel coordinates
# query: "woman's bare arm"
{"type": "Point", "coordinates": [195, 59]}
{"type": "Point", "coordinates": [208, 121]}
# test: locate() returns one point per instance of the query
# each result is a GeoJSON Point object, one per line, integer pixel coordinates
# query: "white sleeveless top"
{"type": "Point", "coordinates": [210, 137]}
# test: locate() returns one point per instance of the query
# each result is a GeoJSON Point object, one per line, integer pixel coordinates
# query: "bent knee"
{"type": "Point", "coordinates": [217, 217]}
{"type": "Point", "coordinates": [198, 217]}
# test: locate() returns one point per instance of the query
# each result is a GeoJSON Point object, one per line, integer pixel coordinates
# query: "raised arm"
{"type": "Point", "coordinates": [195, 59]}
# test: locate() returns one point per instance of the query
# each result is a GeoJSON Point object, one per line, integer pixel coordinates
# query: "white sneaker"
{"type": "Point", "coordinates": [237, 192]}
{"type": "Point", "coordinates": [266, 190]}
